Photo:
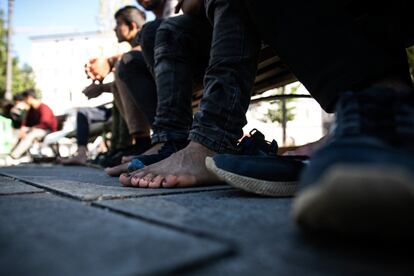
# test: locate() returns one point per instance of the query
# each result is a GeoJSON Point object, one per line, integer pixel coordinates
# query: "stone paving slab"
{"type": "Point", "coordinates": [73, 173]}
{"type": "Point", "coordinates": [41, 234]}
{"type": "Point", "coordinates": [87, 184]}
{"type": "Point", "coordinates": [268, 242]}
{"type": "Point", "coordinates": [8, 186]}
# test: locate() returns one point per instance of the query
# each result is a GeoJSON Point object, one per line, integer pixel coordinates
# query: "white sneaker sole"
{"type": "Point", "coordinates": [359, 200]}
{"type": "Point", "coordinates": [252, 185]}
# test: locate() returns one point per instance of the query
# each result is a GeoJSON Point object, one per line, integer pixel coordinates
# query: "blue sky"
{"type": "Point", "coordinates": [40, 17]}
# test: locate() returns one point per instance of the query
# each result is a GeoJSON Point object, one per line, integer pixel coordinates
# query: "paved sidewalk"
{"type": "Point", "coordinates": [58, 220]}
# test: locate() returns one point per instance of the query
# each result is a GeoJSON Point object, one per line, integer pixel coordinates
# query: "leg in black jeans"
{"type": "Point", "coordinates": [181, 56]}
{"type": "Point", "coordinates": [82, 129]}
{"type": "Point", "coordinates": [228, 83]}
{"type": "Point", "coordinates": [229, 78]}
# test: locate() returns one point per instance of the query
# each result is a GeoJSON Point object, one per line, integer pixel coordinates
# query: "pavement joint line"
{"type": "Point", "coordinates": [52, 191]}
{"type": "Point", "coordinates": [93, 203]}
{"type": "Point", "coordinates": [165, 194]}
{"type": "Point", "coordinates": [68, 195]}
{"type": "Point", "coordinates": [22, 193]}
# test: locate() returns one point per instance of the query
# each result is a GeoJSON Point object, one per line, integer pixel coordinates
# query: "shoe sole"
{"type": "Point", "coordinates": [252, 185]}
{"type": "Point", "coordinates": [356, 201]}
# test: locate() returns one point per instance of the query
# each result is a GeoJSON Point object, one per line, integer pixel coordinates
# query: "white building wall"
{"type": "Point", "coordinates": [58, 64]}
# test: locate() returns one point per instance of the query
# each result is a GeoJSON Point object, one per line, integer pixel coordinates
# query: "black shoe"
{"type": "Point", "coordinates": [361, 182]}
{"type": "Point", "coordinates": [255, 144]}
{"type": "Point", "coordinates": [100, 157]}
{"type": "Point", "coordinates": [166, 150]}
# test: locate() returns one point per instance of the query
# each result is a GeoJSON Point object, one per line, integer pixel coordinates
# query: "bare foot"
{"type": "Point", "coordinates": [128, 158]}
{"type": "Point", "coordinates": [185, 168]}
{"type": "Point", "coordinates": [123, 168]}
{"type": "Point", "coordinates": [117, 170]}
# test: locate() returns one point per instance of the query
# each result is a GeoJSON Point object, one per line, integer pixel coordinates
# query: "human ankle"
{"type": "Point", "coordinates": [82, 151]}
{"type": "Point", "coordinates": [201, 148]}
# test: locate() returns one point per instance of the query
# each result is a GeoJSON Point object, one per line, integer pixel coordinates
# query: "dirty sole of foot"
{"type": "Point", "coordinates": [252, 185]}
{"type": "Point", "coordinates": [362, 201]}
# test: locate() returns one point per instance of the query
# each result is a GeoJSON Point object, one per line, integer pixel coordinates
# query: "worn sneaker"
{"type": "Point", "coordinates": [262, 175]}
{"type": "Point", "coordinates": [361, 183]}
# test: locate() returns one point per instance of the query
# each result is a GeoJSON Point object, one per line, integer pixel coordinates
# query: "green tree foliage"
{"type": "Point", "coordinates": [275, 114]}
{"type": "Point", "coordinates": [22, 76]}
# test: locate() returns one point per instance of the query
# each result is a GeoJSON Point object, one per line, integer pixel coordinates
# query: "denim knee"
{"type": "Point", "coordinates": [146, 39]}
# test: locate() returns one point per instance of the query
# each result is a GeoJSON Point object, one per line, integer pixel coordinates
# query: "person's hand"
{"type": "Point", "coordinates": [93, 90]}
{"type": "Point", "coordinates": [97, 68]}
{"type": "Point", "coordinates": [22, 132]}
{"type": "Point", "coordinates": [192, 7]}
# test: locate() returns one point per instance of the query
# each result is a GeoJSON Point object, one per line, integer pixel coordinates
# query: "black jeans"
{"type": "Point", "coordinates": [182, 48]}
{"type": "Point", "coordinates": [334, 46]}
{"type": "Point", "coordinates": [146, 38]}
{"type": "Point", "coordinates": [229, 78]}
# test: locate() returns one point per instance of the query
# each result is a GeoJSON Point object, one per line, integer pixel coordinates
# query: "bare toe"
{"type": "Point", "coordinates": [145, 180]}
{"type": "Point", "coordinates": [136, 177]}
{"type": "Point", "coordinates": [125, 179]}
{"type": "Point", "coordinates": [171, 181]}
{"type": "Point", "coordinates": [156, 182]}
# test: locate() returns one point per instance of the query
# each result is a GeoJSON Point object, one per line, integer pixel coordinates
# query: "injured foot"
{"type": "Point", "coordinates": [185, 168]}
{"type": "Point", "coordinates": [123, 168]}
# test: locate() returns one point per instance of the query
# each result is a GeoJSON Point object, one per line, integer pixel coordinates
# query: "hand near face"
{"type": "Point", "coordinates": [97, 68]}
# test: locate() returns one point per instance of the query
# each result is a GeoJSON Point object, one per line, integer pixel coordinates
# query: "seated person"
{"type": "Point", "coordinates": [133, 88]}
{"type": "Point", "coordinates": [38, 121]}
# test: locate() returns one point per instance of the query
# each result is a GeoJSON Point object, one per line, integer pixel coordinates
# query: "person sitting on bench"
{"type": "Point", "coordinates": [38, 121]}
